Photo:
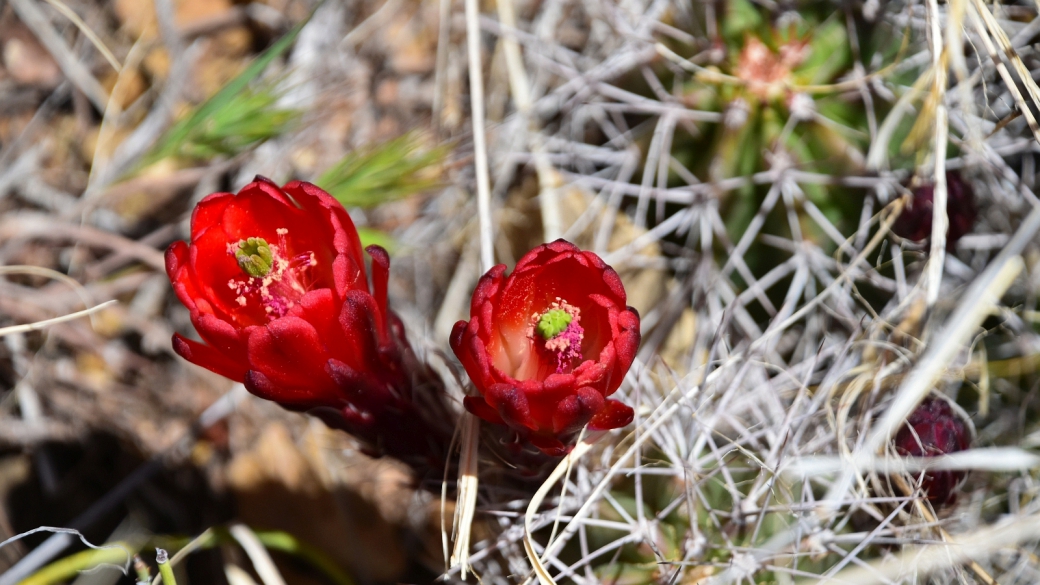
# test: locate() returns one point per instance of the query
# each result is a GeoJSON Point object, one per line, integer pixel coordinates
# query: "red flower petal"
{"type": "Point", "coordinates": [574, 412]}
{"type": "Point", "coordinates": [613, 416]}
{"type": "Point", "coordinates": [380, 276]}
{"type": "Point", "coordinates": [209, 212]}
{"type": "Point", "coordinates": [358, 326]}
{"type": "Point", "coordinates": [479, 407]}
{"type": "Point", "coordinates": [510, 403]}
{"type": "Point", "coordinates": [222, 336]}
{"type": "Point", "coordinates": [477, 365]}
{"type": "Point", "coordinates": [348, 267]}
{"type": "Point", "coordinates": [207, 357]}
{"type": "Point", "coordinates": [285, 348]}
{"type": "Point", "coordinates": [263, 387]}
{"type": "Point", "coordinates": [363, 389]}
{"type": "Point", "coordinates": [551, 446]}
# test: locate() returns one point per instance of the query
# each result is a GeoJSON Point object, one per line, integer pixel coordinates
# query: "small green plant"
{"type": "Point", "coordinates": [236, 118]}
{"type": "Point", "coordinates": [117, 554]}
{"type": "Point", "coordinates": [244, 121]}
{"type": "Point", "coordinates": [385, 172]}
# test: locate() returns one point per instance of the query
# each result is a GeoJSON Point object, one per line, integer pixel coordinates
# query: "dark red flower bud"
{"type": "Point", "coordinates": [933, 429]}
{"type": "Point", "coordinates": [915, 222]}
{"type": "Point", "coordinates": [275, 282]}
{"type": "Point", "coordinates": [548, 344]}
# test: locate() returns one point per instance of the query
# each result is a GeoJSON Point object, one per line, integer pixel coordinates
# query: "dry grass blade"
{"type": "Point", "coordinates": [466, 500]}
{"type": "Point", "coordinates": [468, 478]}
{"type": "Point", "coordinates": [986, 26]}
{"type": "Point", "coordinates": [940, 222]}
{"type": "Point", "coordinates": [565, 465]}
{"type": "Point", "coordinates": [480, 160]}
{"type": "Point", "coordinates": [986, 459]}
{"type": "Point", "coordinates": [117, 555]}
{"type": "Point", "coordinates": [258, 555]}
{"type": "Point", "coordinates": [87, 32]}
{"type": "Point", "coordinates": [520, 88]}
{"type": "Point", "coordinates": [38, 325]}
{"type": "Point", "coordinates": [77, 73]}
{"type": "Point", "coordinates": [1009, 51]}
{"type": "Point", "coordinates": [877, 156]}
{"type": "Point", "coordinates": [80, 290]}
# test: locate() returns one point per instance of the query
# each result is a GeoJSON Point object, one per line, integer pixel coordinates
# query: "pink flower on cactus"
{"type": "Point", "coordinates": [548, 344]}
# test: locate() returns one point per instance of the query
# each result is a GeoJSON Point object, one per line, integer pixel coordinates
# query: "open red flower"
{"type": "Point", "coordinates": [275, 282]}
{"type": "Point", "coordinates": [548, 344]}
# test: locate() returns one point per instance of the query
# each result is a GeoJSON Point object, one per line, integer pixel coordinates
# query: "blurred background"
{"type": "Point", "coordinates": [761, 174]}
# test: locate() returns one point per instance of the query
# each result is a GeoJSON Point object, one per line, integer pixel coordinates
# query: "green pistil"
{"type": "Point", "coordinates": [254, 257]}
{"type": "Point", "coordinates": [553, 323]}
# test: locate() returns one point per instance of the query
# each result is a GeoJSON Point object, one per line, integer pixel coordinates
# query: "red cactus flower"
{"type": "Point", "coordinates": [915, 222]}
{"type": "Point", "coordinates": [933, 429]}
{"type": "Point", "coordinates": [548, 344]}
{"type": "Point", "coordinates": [275, 282]}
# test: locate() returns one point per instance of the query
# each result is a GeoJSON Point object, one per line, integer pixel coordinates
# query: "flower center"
{"type": "Point", "coordinates": [272, 278]}
{"type": "Point", "coordinates": [254, 257]}
{"type": "Point", "coordinates": [559, 332]}
{"type": "Point", "coordinates": [552, 323]}
{"type": "Point", "coordinates": [765, 72]}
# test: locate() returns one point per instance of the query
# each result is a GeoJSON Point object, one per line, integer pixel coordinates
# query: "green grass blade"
{"type": "Point", "coordinates": [372, 175]}
{"type": "Point", "coordinates": [61, 570]}
{"type": "Point", "coordinates": [178, 135]}
{"type": "Point", "coordinates": [287, 543]}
